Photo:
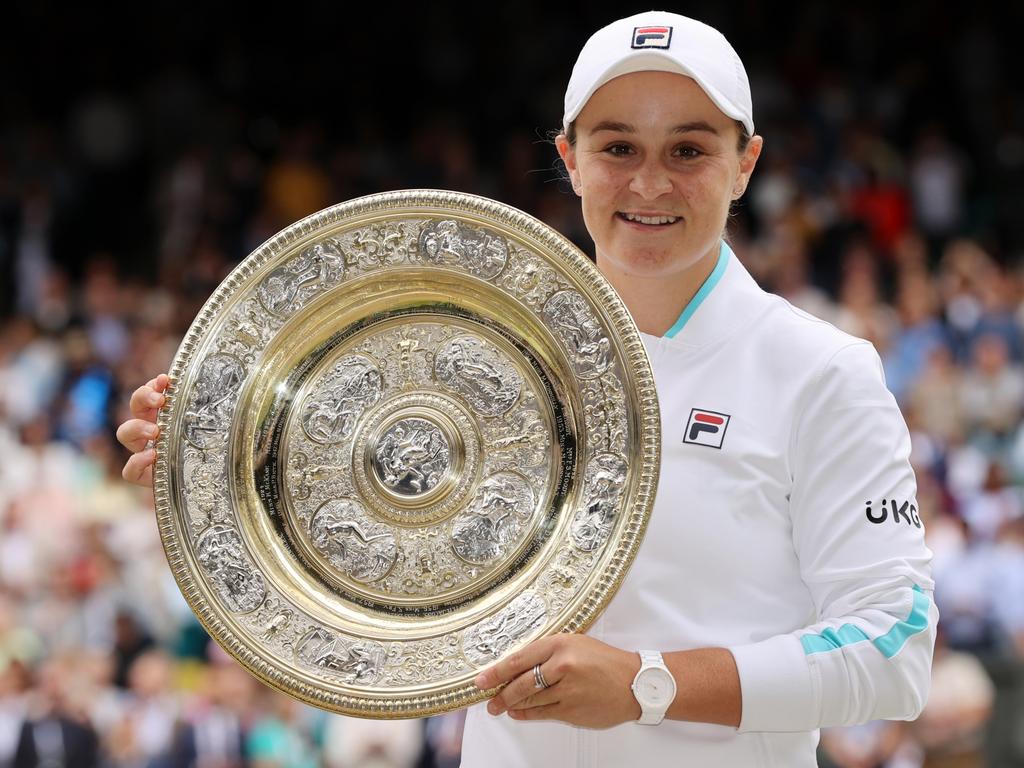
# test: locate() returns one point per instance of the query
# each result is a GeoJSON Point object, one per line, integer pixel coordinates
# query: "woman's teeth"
{"type": "Point", "coordinates": [650, 219]}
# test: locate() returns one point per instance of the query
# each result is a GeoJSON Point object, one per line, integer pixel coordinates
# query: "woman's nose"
{"type": "Point", "coordinates": [650, 180]}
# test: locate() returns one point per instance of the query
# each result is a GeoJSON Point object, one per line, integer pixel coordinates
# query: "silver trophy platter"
{"type": "Point", "coordinates": [407, 435]}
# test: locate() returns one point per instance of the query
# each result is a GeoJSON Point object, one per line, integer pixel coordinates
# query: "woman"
{"type": "Point", "coordinates": [783, 583]}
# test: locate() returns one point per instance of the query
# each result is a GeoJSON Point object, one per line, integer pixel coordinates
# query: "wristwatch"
{"type": "Point", "coordinates": [654, 687]}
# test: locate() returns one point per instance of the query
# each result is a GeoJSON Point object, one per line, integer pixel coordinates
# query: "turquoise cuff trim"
{"type": "Point", "coordinates": [705, 289]}
{"type": "Point", "coordinates": [888, 644]}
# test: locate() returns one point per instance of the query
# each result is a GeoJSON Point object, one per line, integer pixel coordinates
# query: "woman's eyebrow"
{"type": "Point", "coordinates": [698, 125]}
{"type": "Point", "coordinates": [611, 125]}
{"type": "Point", "coordinates": [617, 127]}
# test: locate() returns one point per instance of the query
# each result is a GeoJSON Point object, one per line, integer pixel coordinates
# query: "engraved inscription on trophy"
{"type": "Point", "coordinates": [354, 661]}
{"type": "Point", "coordinates": [604, 481]}
{"type": "Point", "coordinates": [475, 369]}
{"type": "Point", "coordinates": [569, 315]}
{"type": "Point", "coordinates": [208, 414]}
{"type": "Point", "coordinates": [412, 457]}
{"type": "Point", "coordinates": [504, 502]}
{"type": "Point", "coordinates": [220, 553]}
{"type": "Point", "coordinates": [488, 640]}
{"type": "Point", "coordinates": [330, 413]}
{"type": "Point", "coordinates": [476, 250]}
{"type": "Point", "coordinates": [351, 542]}
{"type": "Point", "coordinates": [316, 269]}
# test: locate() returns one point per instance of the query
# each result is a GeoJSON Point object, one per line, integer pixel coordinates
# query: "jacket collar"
{"type": "Point", "coordinates": [728, 299]}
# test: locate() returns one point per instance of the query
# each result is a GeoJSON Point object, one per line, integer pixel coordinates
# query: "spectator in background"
{"type": "Point", "coordinates": [917, 336]}
{"type": "Point", "coordinates": [56, 729]}
{"type": "Point", "coordinates": [938, 177]}
{"type": "Point", "coordinates": [992, 394]}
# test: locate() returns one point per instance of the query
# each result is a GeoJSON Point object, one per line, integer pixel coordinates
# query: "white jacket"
{"type": "Point", "coordinates": [784, 529]}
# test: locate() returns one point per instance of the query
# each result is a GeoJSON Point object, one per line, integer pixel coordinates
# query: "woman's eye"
{"type": "Point", "coordinates": [688, 152]}
{"type": "Point", "coordinates": [618, 149]}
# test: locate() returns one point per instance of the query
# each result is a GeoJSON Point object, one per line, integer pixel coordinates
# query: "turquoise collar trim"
{"type": "Point", "coordinates": [707, 288]}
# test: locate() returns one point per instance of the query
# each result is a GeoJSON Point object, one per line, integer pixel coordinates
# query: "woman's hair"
{"type": "Point", "coordinates": [741, 143]}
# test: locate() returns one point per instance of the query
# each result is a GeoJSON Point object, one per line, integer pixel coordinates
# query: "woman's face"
{"type": "Point", "coordinates": [656, 165]}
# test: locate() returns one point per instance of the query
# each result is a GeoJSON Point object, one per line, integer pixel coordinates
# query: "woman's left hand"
{"type": "Point", "coordinates": [588, 682]}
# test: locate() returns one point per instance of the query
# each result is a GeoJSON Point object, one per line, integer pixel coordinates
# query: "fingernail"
{"type": "Point", "coordinates": [494, 709]}
{"type": "Point", "coordinates": [155, 398]}
{"type": "Point", "coordinates": [151, 431]}
{"type": "Point", "coordinates": [479, 681]}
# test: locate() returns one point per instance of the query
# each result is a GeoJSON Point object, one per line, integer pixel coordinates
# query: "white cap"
{"type": "Point", "coordinates": [663, 42]}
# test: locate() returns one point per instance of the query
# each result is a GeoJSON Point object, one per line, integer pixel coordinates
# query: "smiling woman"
{"type": "Point", "coordinates": [762, 603]}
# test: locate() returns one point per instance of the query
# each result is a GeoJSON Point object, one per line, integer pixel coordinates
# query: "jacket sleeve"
{"type": "Point", "coordinates": [860, 544]}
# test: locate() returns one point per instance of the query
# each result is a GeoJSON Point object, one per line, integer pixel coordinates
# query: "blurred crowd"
{"type": "Point", "coordinates": [116, 224]}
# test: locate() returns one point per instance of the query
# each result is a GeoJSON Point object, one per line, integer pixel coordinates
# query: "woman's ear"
{"type": "Point", "coordinates": [747, 163]}
{"type": "Point", "coordinates": [568, 154]}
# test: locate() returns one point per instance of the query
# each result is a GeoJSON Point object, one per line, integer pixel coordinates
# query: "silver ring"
{"type": "Point", "coordinates": [538, 678]}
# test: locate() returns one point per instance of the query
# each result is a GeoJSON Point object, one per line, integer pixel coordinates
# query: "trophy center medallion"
{"type": "Point", "coordinates": [411, 458]}
{"type": "Point", "coordinates": [416, 458]}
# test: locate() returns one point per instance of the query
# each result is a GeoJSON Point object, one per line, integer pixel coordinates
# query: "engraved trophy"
{"type": "Point", "coordinates": [407, 435]}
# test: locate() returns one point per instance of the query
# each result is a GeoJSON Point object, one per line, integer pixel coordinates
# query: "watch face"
{"type": "Point", "coordinates": [655, 688]}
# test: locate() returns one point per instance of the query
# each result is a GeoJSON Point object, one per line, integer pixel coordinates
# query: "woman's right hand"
{"type": "Point", "coordinates": [136, 433]}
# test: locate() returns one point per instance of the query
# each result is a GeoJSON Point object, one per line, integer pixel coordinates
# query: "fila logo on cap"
{"type": "Point", "coordinates": [652, 37]}
{"type": "Point", "coordinates": [706, 428]}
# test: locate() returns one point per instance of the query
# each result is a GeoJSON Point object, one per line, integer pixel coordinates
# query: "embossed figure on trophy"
{"type": "Point", "coordinates": [286, 288]}
{"type": "Point", "coordinates": [475, 250]}
{"type": "Point", "coordinates": [605, 477]}
{"type": "Point", "coordinates": [369, 562]}
{"type": "Point", "coordinates": [491, 255]}
{"type": "Point", "coordinates": [203, 503]}
{"type": "Point", "coordinates": [475, 372]}
{"type": "Point", "coordinates": [221, 555]}
{"type": "Point", "coordinates": [494, 520]}
{"type": "Point", "coordinates": [441, 243]}
{"type": "Point", "coordinates": [277, 291]}
{"type": "Point", "coordinates": [330, 416]}
{"type": "Point", "coordinates": [209, 411]}
{"type": "Point", "coordinates": [570, 317]}
{"type": "Point", "coordinates": [495, 636]}
{"type": "Point", "coordinates": [521, 441]}
{"type": "Point", "coordinates": [590, 527]}
{"type": "Point", "coordinates": [319, 268]}
{"type": "Point", "coordinates": [414, 356]}
{"type": "Point", "coordinates": [250, 329]}
{"type": "Point", "coordinates": [490, 639]}
{"type": "Point", "coordinates": [413, 456]}
{"type": "Point", "coordinates": [351, 544]}
{"type": "Point", "coordinates": [356, 662]}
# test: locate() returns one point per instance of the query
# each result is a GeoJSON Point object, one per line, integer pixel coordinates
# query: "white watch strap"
{"type": "Point", "coordinates": [650, 659]}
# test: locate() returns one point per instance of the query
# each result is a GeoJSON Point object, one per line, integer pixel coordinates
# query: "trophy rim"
{"type": "Point", "coordinates": [647, 448]}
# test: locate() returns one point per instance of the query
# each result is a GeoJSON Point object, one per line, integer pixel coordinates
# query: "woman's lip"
{"type": "Point", "coordinates": [622, 217]}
